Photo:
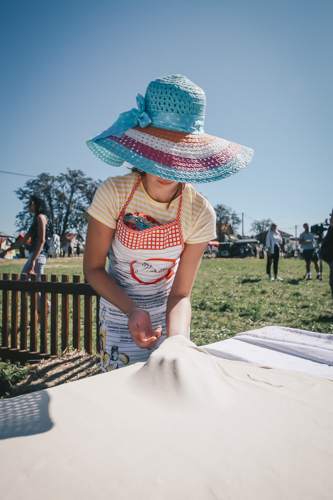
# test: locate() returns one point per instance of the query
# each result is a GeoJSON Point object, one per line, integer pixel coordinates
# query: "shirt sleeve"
{"type": "Point", "coordinates": [268, 242]}
{"type": "Point", "coordinates": [204, 227]}
{"type": "Point", "coordinates": [104, 206]}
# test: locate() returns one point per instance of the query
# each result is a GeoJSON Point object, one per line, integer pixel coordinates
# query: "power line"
{"type": "Point", "coordinates": [245, 215]}
{"type": "Point", "coordinates": [291, 227]}
{"type": "Point", "coordinates": [248, 217]}
{"type": "Point", "coordinates": [14, 173]}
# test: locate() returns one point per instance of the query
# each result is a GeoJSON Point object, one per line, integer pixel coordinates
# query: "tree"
{"type": "Point", "coordinates": [260, 226]}
{"type": "Point", "coordinates": [235, 220]}
{"type": "Point", "coordinates": [225, 215]}
{"type": "Point", "coordinates": [67, 198]}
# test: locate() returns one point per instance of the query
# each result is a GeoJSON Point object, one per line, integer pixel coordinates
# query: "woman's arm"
{"type": "Point", "coordinates": [41, 224]}
{"type": "Point", "coordinates": [178, 314]}
{"type": "Point", "coordinates": [268, 242]}
{"type": "Point", "coordinates": [15, 245]}
{"type": "Point", "coordinates": [98, 241]}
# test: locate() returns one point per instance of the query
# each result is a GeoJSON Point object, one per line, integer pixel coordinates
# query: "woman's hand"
{"type": "Point", "coordinates": [141, 330]}
{"type": "Point", "coordinates": [31, 268]}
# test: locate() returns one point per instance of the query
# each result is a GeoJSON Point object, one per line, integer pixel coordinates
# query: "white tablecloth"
{"type": "Point", "coordinates": [181, 426]}
{"type": "Point", "coordinates": [280, 347]}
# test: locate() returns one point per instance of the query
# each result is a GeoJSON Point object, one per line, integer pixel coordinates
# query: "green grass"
{"type": "Point", "coordinates": [234, 295]}
{"type": "Point", "coordinates": [59, 266]}
{"type": "Point", "coordinates": [10, 375]}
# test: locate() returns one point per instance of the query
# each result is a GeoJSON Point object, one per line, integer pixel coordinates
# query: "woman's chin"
{"type": "Point", "coordinates": [165, 182]}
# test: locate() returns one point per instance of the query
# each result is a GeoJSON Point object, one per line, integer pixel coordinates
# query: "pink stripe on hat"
{"type": "Point", "coordinates": [178, 162]}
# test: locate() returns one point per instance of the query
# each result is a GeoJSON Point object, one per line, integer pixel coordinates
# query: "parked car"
{"type": "Point", "coordinates": [243, 248]}
{"type": "Point", "coordinates": [238, 249]}
{"type": "Point", "coordinates": [225, 250]}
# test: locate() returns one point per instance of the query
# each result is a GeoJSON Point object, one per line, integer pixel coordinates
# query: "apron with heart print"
{"type": "Point", "coordinates": [144, 264]}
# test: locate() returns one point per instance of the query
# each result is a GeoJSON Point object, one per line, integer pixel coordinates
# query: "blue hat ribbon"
{"type": "Point", "coordinates": [127, 120]}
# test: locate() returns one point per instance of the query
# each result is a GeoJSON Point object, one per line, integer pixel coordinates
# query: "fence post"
{"type": "Point", "coordinates": [14, 318]}
{"type": "Point", "coordinates": [33, 317]}
{"type": "Point", "coordinates": [43, 318]}
{"type": "Point", "coordinates": [24, 316]}
{"type": "Point", "coordinates": [26, 297]}
{"type": "Point", "coordinates": [5, 313]}
{"type": "Point", "coordinates": [98, 348]}
{"type": "Point", "coordinates": [65, 316]}
{"type": "Point", "coordinates": [76, 315]}
{"type": "Point", "coordinates": [88, 323]}
{"type": "Point", "coordinates": [54, 318]}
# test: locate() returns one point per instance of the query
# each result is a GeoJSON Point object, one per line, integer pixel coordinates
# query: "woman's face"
{"type": "Point", "coordinates": [161, 190]}
{"type": "Point", "coordinates": [160, 183]}
{"type": "Point", "coordinates": [32, 207]}
{"type": "Point", "coordinates": [274, 227]}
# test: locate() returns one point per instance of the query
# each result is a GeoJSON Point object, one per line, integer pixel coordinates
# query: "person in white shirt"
{"type": "Point", "coordinates": [306, 239]}
{"type": "Point", "coordinates": [273, 242]}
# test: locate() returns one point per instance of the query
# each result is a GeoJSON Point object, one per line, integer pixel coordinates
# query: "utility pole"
{"type": "Point", "coordinates": [296, 246]}
{"type": "Point", "coordinates": [242, 224]}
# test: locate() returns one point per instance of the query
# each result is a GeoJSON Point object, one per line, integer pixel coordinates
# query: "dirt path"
{"type": "Point", "coordinates": [66, 368]}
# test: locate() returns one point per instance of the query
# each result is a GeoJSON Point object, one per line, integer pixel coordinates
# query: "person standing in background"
{"type": "Point", "coordinates": [306, 239]}
{"type": "Point", "coordinates": [326, 251]}
{"type": "Point", "coordinates": [39, 230]}
{"type": "Point", "coordinates": [273, 242]}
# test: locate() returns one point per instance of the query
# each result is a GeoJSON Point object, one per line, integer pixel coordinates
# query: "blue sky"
{"type": "Point", "coordinates": [70, 68]}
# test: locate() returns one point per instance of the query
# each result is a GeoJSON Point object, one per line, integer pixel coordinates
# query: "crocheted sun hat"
{"type": "Point", "coordinates": [165, 136]}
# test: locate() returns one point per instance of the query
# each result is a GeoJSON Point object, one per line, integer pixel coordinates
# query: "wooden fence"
{"type": "Point", "coordinates": [26, 337]}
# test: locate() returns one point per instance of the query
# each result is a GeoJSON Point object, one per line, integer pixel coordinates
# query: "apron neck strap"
{"type": "Point", "coordinates": [180, 203]}
{"type": "Point", "coordinates": [135, 187]}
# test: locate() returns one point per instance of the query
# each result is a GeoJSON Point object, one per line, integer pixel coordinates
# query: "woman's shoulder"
{"type": "Point", "coordinates": [115, 188]}
{"type": "Point", "coordinates": [198, 201]}
{"type": "Point", "coordinates": [110, 196]}
{"type": "Point", "coordinates": [121, 182]}
{"type": "Point", "coordinates": [41, 220]}
{"type": "Point", "coordinates": [198, 217]}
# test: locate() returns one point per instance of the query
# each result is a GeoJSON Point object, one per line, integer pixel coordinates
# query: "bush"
{"type": "Point", "coordinates": [9, 376]}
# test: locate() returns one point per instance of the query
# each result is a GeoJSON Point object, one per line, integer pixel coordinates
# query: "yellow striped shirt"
{"type": "Point", "coordinates": [197, 215]}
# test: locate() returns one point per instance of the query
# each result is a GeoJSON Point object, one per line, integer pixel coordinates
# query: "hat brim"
{"type": "Point", "coordinates": [173, 155]}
